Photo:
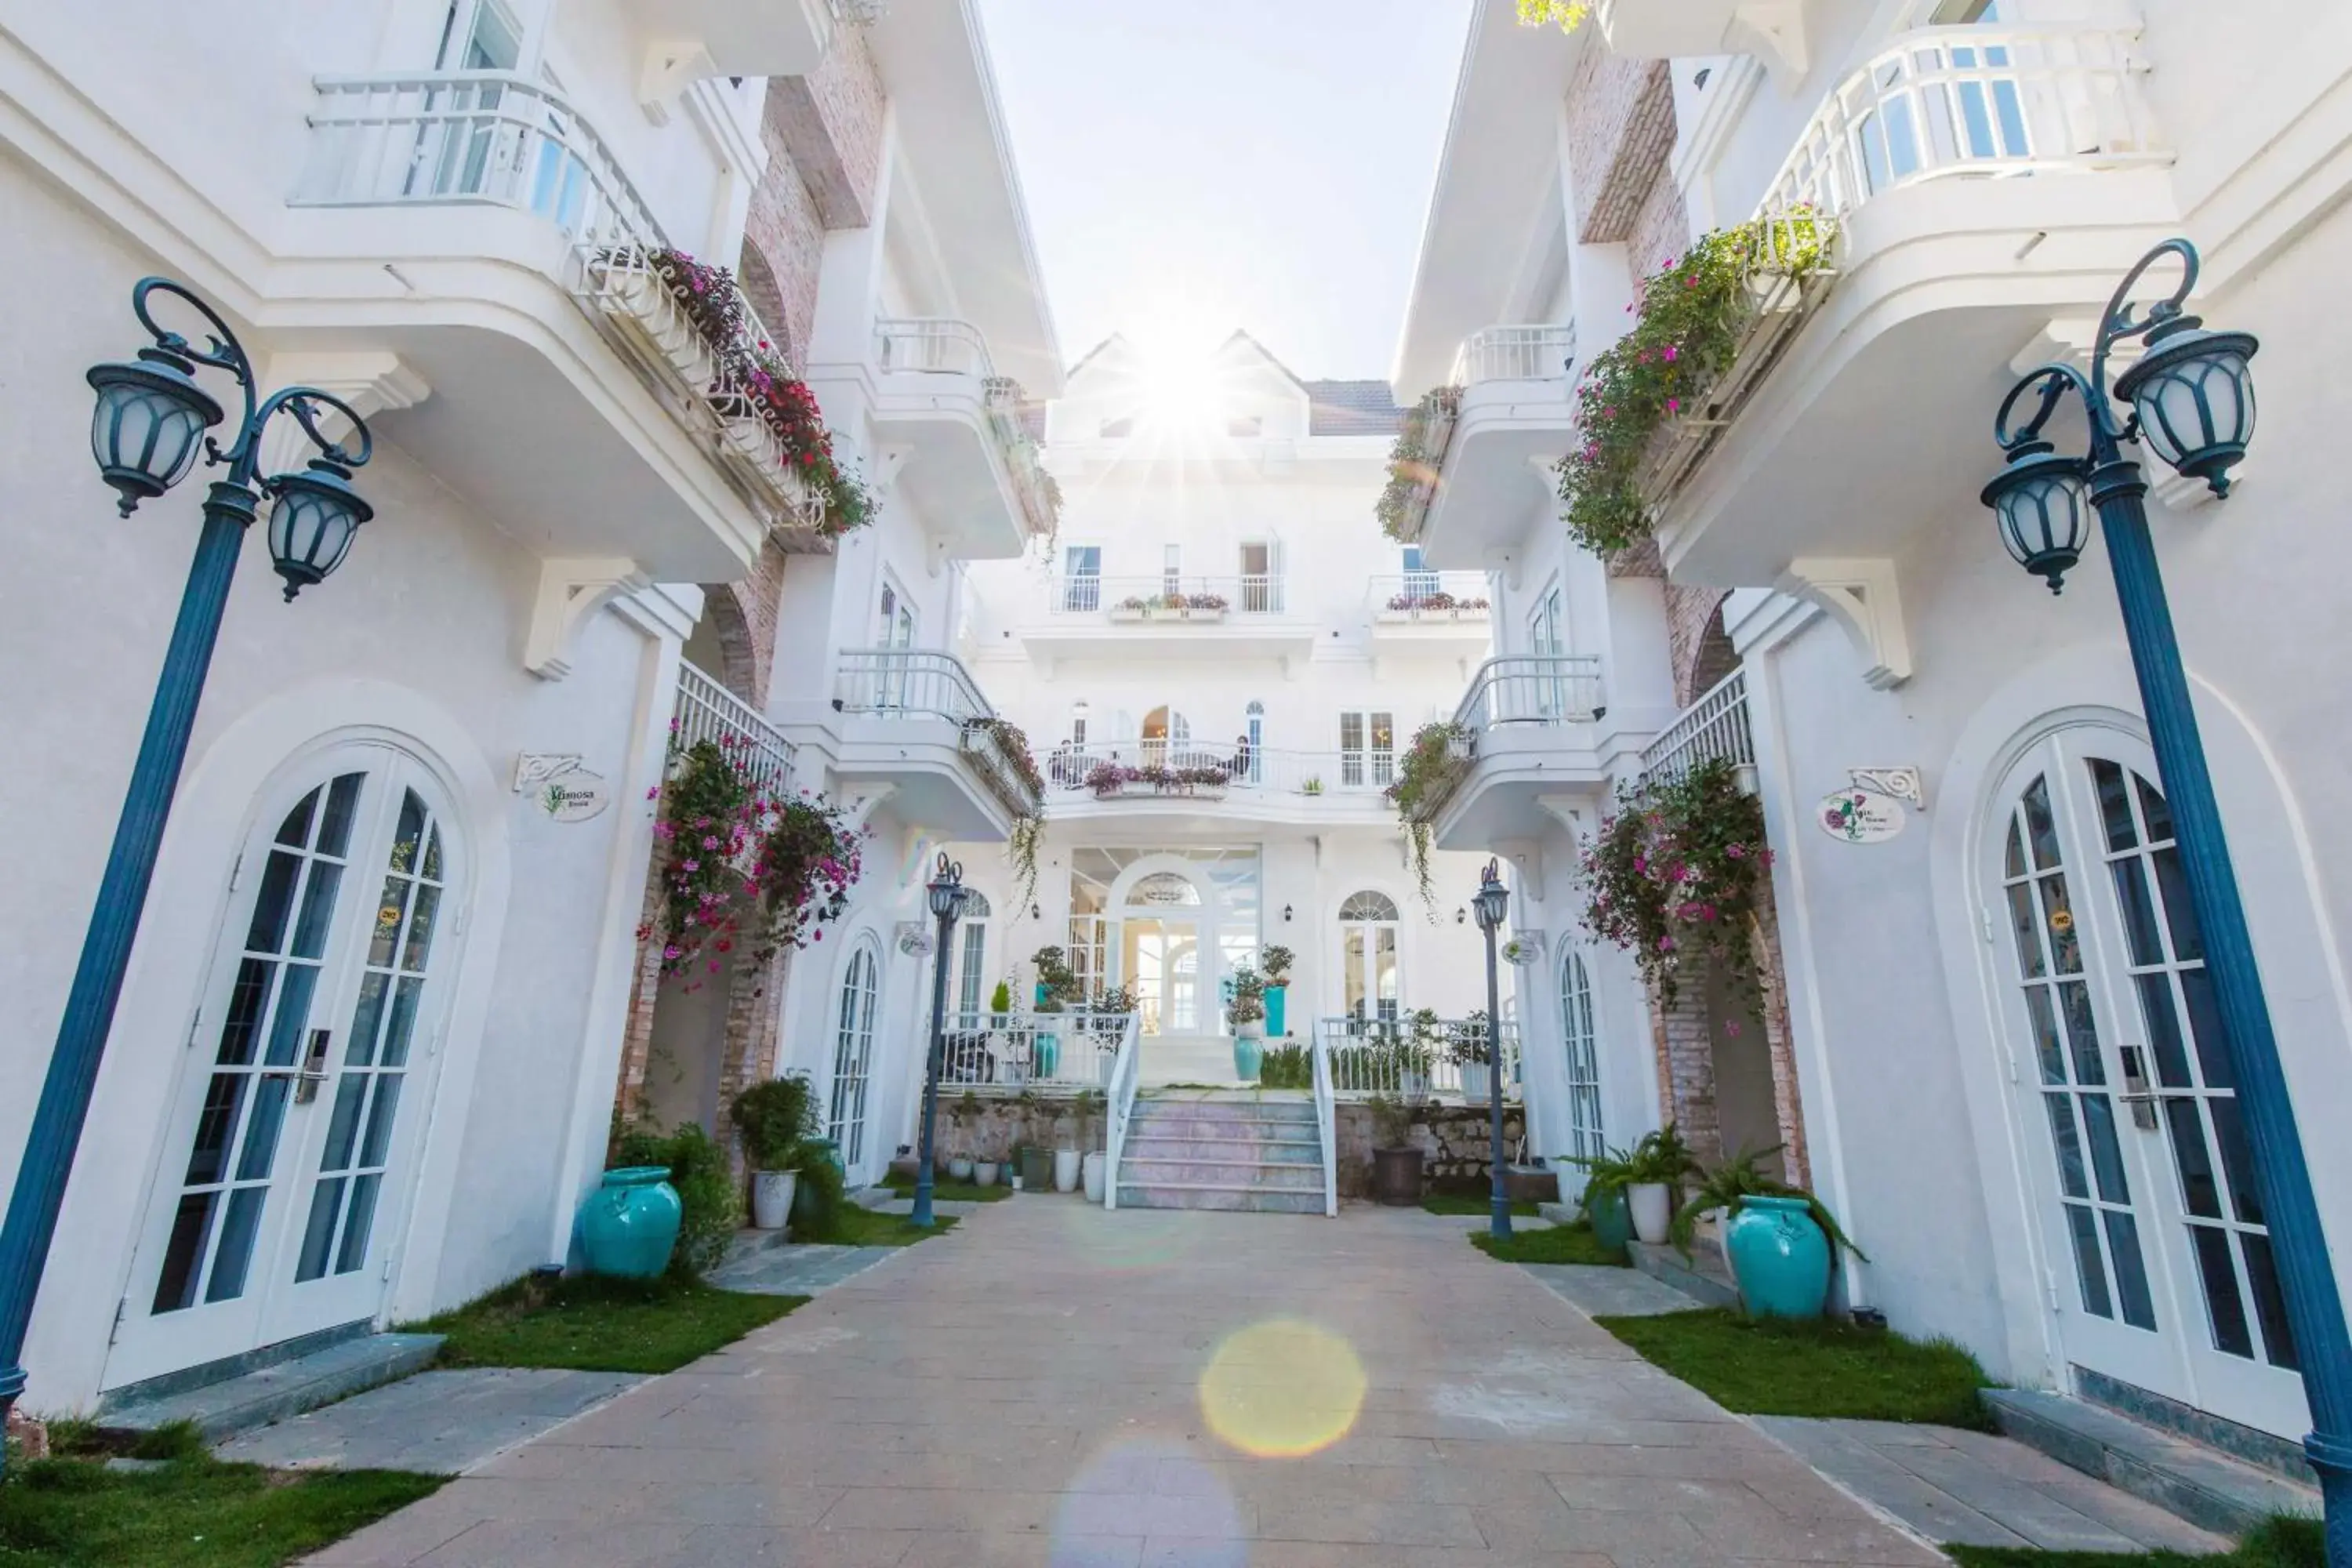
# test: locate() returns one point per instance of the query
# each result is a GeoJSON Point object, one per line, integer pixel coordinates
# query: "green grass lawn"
{"type": "Point", "coordinates": [1558, 1244]}
{"type": "Point", "coordinates": [194, 1512]}
{"type": "Point", "coordinates": [1825, 1368]}
{"type": "Point", "coordinates": [2281, 1543]}
{"type": "Point", "coordinates": [1471, 1203]}
{"type": "Point", "coordinates": [856, 1227]}
{"type": "Point", "coordinates": [597, 1324]}
{"type": "Point", "coordinates": [943, 1191]}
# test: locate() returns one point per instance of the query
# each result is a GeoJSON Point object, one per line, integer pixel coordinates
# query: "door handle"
{"type": "Point", "coordinates": [314, 1067]}
{"type": "Point", "coordinates": [2137, 1093]}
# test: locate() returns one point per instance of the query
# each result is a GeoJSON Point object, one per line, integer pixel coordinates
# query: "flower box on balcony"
{"type": "Point", "coordinates": [1113, 781]}
{"type": "Point", "coordinates": [1404, 608]}
{"type": "Point", "coordinates": [1139, 790]}
{"type": "Point", "coordinates": [1140, 612]}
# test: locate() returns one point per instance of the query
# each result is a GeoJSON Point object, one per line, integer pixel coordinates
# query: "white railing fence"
{"type": "Point", "coordinates": [706, 710]}
{"type": "Point", "coordinates": [1404, 1059]}
{"type": "Point", "coordinates": [1715, 727]}
{"type": "Point", "coordinates": [921, 682]}
{"type": "Point", "coordinates": [1941, 101]}
{"type": "Point", "coordinates": [935, 345]}
{"type": "Point", "coordinates": [1532, 689]}
{"type": "Point", "coordinates": [1032, 486]}
{"type": "Point", "coordinates": [1413, 595]}
{"type": "Point", "coordinates": [1536, 352]}
{"type": "Point", "coordinates": [1015, 1051]}
{"type": "Point", "coordinates": [1242, 593]}
{"type": "Point", "coordinates": [1243, 769]}
{"type": "Point", "coordinates": [1327, 1119]}
{"type": "Point", "coordinates": [1125, 1073]}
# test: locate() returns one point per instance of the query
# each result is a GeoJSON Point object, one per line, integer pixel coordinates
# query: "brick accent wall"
{"type": "Point", "coordinates": [1620, 132]}
{"type": "Point", "coordinates": [1702, 654]}
{"type": "Point", "coordinates": [1661, 229]}
{"type": "Point", "coordinates": [783, 246]}
{"type": "Point", "coordinates": [831, 121]}
{"type": "Point", "coordinates": [743, 616]}
{"type": "Point", "coordinates": [1686, 1053]}
{"type": "Point", "coordinates": [1788, 1097]}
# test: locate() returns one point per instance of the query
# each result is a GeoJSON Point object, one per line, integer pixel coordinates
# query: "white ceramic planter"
{"type": "Point", "coordinates": [1654, 1211]}
{"type": "Point", "coordinates": [1066, 1170]}
{"type": "Point", "coordinates": [1094, 1175]}
{"type": "Point", "coordinates": [958, 1169]}
{"type": "Point", "coordinates": [772, 1198]}
{"type": "Point", "coordinates": [1475, 1089]}
{"type": "Point", "coordinates": [984, 1172]}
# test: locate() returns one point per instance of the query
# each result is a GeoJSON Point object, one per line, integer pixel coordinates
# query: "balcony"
{"type": "Point", "coordinates": [707, 710]}
{"type": "Point", "coordinates": [489, 237]}
{"type": "Point", "coordinates": [1173, 785]}
{"type": "Point", "coordinates": [1441, 613]}
{"type": "Point", "coordinates": [1514, 411]}
{"type": "Point", "coordinates": [1988, 183]}
{"type": "Point", "coordinates": [914, 721]}
{"type": "Point", "coordinates": [970, 466]}
{"type": "Point", "coordinates": [1248, 616]}
{"type": "Point", "coordinates": [753, 37]}
{"type": "Point", "coordinates": [1712, 729]}
{"type": "Point", "coordinates": [1528, 736]}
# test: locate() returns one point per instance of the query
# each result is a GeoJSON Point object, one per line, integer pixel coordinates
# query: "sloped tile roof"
{"type": "Point", "coordinates": [1352, 409]}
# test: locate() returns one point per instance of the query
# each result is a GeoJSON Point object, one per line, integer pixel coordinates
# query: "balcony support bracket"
{"type": "Point", "coordinates": [571, 589]}
{"type": "Point", "coordinates": [669, 69]}
{"type": "Point", "coordinates": [1526, 855]}
{"type": "Point", "coordinates": [1861, 594]}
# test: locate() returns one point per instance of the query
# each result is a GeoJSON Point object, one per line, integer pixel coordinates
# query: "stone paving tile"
{"type": "Point", "coordinates": [436, 1422]}
{"type": "Point", "coordinates": [1610, 1292]}
{"type": "Point", "coordinates": [797, 1269]}
{"type": "Point", "coordinates": [1036, 1388]}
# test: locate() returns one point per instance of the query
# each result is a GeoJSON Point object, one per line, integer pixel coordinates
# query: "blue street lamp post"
{"type": "Point", "coordinates": [150, 414]}
{"type": "Point", "coordinates": [947, 895]}
{"type": "Point", "coordinates": [1493, 904]}
{"type": "Point", "coordinates": [2191, 400]}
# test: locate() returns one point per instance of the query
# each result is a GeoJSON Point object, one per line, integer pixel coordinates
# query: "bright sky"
{"type": "Point", "coordinates": [1207, 165]}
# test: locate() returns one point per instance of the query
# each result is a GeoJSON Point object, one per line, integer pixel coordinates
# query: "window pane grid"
{"type": "Point", "coordinates": [852, 1057]}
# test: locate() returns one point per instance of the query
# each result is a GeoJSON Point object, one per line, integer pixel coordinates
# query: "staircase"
{"type": "Point", "coordinates": [1245, 1150]}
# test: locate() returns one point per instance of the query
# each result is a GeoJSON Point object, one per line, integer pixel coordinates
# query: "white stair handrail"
{"type": "Point", "coordinates": [1124, 1073]}
{"type": "Point", "coordinates": [1326, 1129]}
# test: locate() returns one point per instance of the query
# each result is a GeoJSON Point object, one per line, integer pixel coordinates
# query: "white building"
{"type": "Point", "coordinates": [320, 1108]}
{"type": "Point", "coordinates": [1993, 170]}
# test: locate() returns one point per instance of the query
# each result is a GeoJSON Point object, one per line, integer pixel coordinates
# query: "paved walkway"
{"type": "Point", "coordinates": [1052, 1384]}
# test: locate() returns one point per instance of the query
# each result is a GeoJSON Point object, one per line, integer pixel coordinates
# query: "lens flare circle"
{"type": "Point", "coordinates": [1282, 1389]}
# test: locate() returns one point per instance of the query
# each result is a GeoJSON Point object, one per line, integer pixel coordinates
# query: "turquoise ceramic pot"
{"type": "Point", "coordinates": [1612, 1222]}
{"type": "Point", "coordinates": [1249, 1056]}
{"type": "Point", "coordinates": [629, 1225]}
{"type": "Point", "coordinates": [1780, 1257]}
{"type": "Point", "coordinates": [1046, 1055]}
{"type": "Point", "coordinates": [1278, 1000]}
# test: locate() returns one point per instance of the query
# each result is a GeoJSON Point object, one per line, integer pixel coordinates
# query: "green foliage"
{"type": "Point", "coordinates": [1287, 1066]}
{"type": "Point", "coordinates": [708, 796]}
{"type": "Point", "coordinates": [773, 1118]}
{"type": "Point", "coordinates": [857, 1226]}
{"type": "Point", "coordinates": [1566, 15]}
{"type": "Point", "coordinates": [1248, 1005]}
{"type": "Point", "coordinates": [1060, 986]}
{"type": "Point", "coordinates": [1413, 458]}
{"type": "Point", "coordinates": [1772, 1366]}
{"type": "Point", "coordinates": [827, 1198]}
{"type": "Point", "coordinates": [2285, 1541]}
{"type": "Point", "coordinates": [1469, 1202]}
{"type": "Point", "coordinates": [1000, 999]}
{"type": "Point", "coordinates": [1275, 962]}
{"type": "Point", "coordinates": [699, 1169]}
{"type": "Point", "coordinates": [595, 1323]}
{"type": "Point", "coordinates": [1425, 774]}
{"type": "Point", "coordinates": [1742, 1177]}
{"type": "Point", "coordinates": [1392, 1121]}
{"type": "Point", "coordinates": [951, 1192]}
{"type": "Point", "coordinates": [1690, 318]}
{"type": "Point", "coordinates": [194, 1512]}
{"type": "Point", "coordinates": [1559, 1244]}
{"type": "Point", "coordinates": [1610, 1171]}
{"type": "Point", "coordinates": [1681, 865]}
{"type": "Point", "coordinates": [1660, 1156]}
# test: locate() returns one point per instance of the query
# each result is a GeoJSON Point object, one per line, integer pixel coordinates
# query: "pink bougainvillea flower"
{"type": "Point", "coordinates": [1731, 1027]}
{"type": "Point", "coordinates": [1673, 405]}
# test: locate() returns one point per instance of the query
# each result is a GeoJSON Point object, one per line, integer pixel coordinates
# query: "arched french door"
{"type": "Point", "coordinates": [2160, 1267]}
{"type": "Point", "coordinates": [1371, 937]}
{"type": "Point", "coordinates": [284, 1187]}
{"type": "Point", "coordinates": [972, 954]}
{"type": "Point", "coordinates": [853, 1052]}
{"type": "Point", "coordinates": [1581, 1054]}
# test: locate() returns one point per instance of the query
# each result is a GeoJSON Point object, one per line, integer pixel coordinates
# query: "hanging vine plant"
{"type": "Point", "coordinates": [1690, 318]}
{"type": "Point", "coordinates": [1682, 869]}
{"type": "Point", "coordinates": [1025, 793]}
{"type": "Point", "coordinates": [1425, 776]}
{"type": "Point", "coordinates": [1566, 15]}
{"type": "Point", "coordinates": [1413, 457]}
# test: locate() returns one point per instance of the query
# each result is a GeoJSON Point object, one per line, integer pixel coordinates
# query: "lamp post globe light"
{"type": "Point", "coordinates": [947, 894]}
{"type": "Point", "coordinates": [146, 432]}
{"type": "Point", "coordinates": [2191, 401]}
{"type": "Point", "coordinates": [1493, 904]}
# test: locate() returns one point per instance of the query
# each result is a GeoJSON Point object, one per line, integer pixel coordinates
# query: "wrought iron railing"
{"type": "Point", "coordinates": [706, 710]}
{"type": "Point", "coordinates": [1532, 689]}
{"type": "Point", "coordinates": [1009, 1052]}
{"type": "Point", "coordinates": [498, 139]}
{"type": "Point", "coordinates": [1167, 596]}
{"type": "Point", "coordinates": [1419, 595]}
{"type": "Point", "coordinates": [941, 346]}
{"type": "Point", "coordinates": [1535, 352]}
{"type": "Point", "coordinates": [1183, 767]}
{"type": "Point", "coordinates": [1713, 728]}
{"type": "Point", "coordinates": [1414, 1058]}
{"type": "Point", "coordinates": [923, 683]}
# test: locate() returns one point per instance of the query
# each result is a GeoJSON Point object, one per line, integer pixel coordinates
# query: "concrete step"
{"type": "Point", "coordinates": [1701, 1274]}
{"type": "Point", "coordinates": [1269, 1151]}
{"type": "Point", "coordinates": [2187, 1479]}
{"type": "Point", "coordinates": [1263, 1176]}
{"type": "Point", "coordinates": [749, 1243]}
{"type": "Point", "coordinates": [1223, 1195]}
{"type": "Point", "coordinates": [1239, 1121]}
{"type": "Point", "coordinates": [270, 1394]}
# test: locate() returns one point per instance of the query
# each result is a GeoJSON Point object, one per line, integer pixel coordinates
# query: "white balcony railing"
{"type": "Point", "coordinates": [706, 710]}
{"type": "Point", "coordinates": [1962, 101]}
{"type": "Point", "coordinates": [1532, 689]}
{"type": "Point", "coordinates": [496, 139]}
{"type": "Point", "coordinates": [1168, 595]}
{"type": "Point", "coordinates": [921, 683]}
{"type": "Point", "coordinates": [1014, 1051]}
{"type": "Point", "coordinates": [1536, 353]}
{"type": "Point", "coordinates": [928, 346]}
{"type": "Point", "coordinates": [1714, 728]}
{"type": "Point", "coordinates": [932, 345]}
{"type": "Point", "coordinates": [1032, 487]}
{"type": "Point", "coordinates": [1414, 1059]}
{"type": "Point", "coordinates": [1427, 595]}
{"type": "Point", "coordinates": [1184, 767]}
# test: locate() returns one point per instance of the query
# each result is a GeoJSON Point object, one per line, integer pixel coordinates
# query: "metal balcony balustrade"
{"type": "Point", "coordinates": [1714, 728]}
{"type": "Point", "coordinates": [926, 684]}
{"type": "Point", "coordinates": [1006, 1053]}
{"type": "Point", "coordinates": [1531, 689]}
{"type": "Point", "coordinates": [924, 346]}
{"type": "Point", "coordinates": [1410, 594]}
{"type": "Point", "coordinates": [1242, 594]}
{"type": "Point", "coordinates": [1347, 778]}
{"type": "Point", "coordinates": [1537, 352]}
{"type": "Point", "coordinates": [496, 139]}
{"type": "Point", "coordinates": [707, 710]}
{"type": "Point", "coordinates": [1399, 1057]}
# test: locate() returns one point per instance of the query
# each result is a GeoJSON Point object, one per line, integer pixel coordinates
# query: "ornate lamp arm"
{"type": "Point", "coordinates": [2118, 323]}
{"type": "Point", "coordinates": [304, 403]}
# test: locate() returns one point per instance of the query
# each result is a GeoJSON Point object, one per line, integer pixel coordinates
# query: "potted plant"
{"type": "Point", "coordinates": [1780, 1241]}
{"type": "Point", "coordinates": [1057, 987]}
{"type": "Point", "coordinates": [1660, 1161]}
{"type": "Point", "coordinates": [1606, 1176]}
{"type": "Point", "coordinates": [1468, 1048]}
{"type": "Point", "coordinates": [1416, 1049]}
{"type": "Point", "coordinates": [1275, 963]}
{"type": "Point", "coordinates": [964, 1115]}
{"type": "Point", "coordinates": [774, 1119]}
{"type": "Point", "coordinates": [1396, 1160]}
{"type": "Point", "coordinates": [1312, 786]}
{"type": "Point", "coordinates": [1247, 1012]}
{"type": "Point", "coordinates": [1086, 1109]}
{"type": "Point", "coordinates": [983, 1172]}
